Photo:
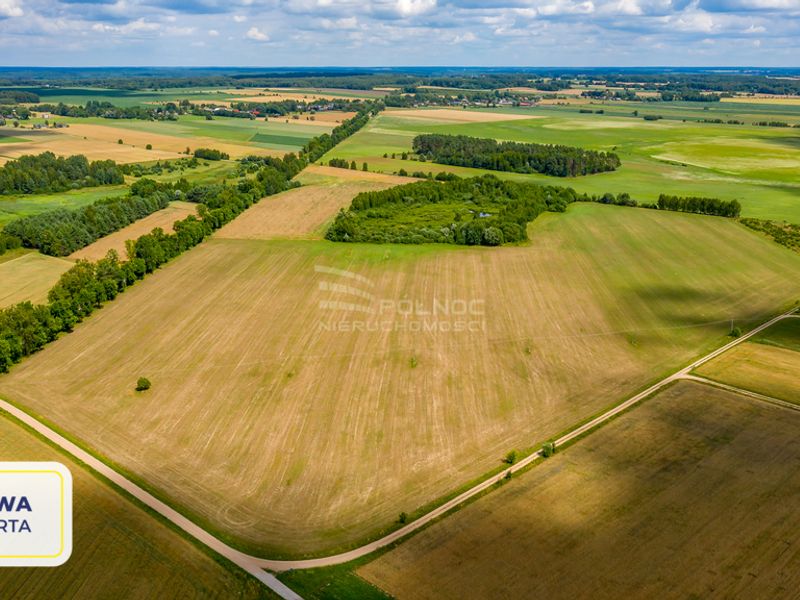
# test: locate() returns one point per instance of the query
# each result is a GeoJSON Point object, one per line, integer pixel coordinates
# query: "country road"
{"type": "Point", "coordinates": [255, 565]}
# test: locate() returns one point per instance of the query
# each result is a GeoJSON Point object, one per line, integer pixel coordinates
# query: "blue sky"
{"type": "Point", "coordinates": [400, 32]}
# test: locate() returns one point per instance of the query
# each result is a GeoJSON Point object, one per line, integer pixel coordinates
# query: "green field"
{"type": "Point", "coordinates": [120, 550]}
{"type": "Point", "coordinates": [81, 95]}
{"type": "Point", "coordinates": [784, 334]}
{"type": "Point", "coordinates": [21, 205]}
{"type": "Point", "coordinates": [759, 166]}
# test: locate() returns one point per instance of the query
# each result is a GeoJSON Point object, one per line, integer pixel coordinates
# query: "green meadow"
{"type": "Point", "coordinates": [759, 166]}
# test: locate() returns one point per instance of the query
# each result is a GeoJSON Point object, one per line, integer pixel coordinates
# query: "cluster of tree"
{"type": "Point", "coordinates": [771, 124]}
{"type": "Point", "coordinates": [159, 167]}
{"type": "Point", "coordinates": [341, 163]}
{"type": "Point", "coordinates": [704, 206]}
{"type": "Point", "coordinates": [45, 173]}
{"type": "Point", "coordinates": [280, 108]}
{"type": "Point", "coordinates": [476, 211]}
{"type": "Point", "coordinates": [485, 153]}
{"type": "Point", "coordinates": [721, 121]}
{"type": "Point", "coordinates": [25, 328]}
{"type": "Point", "coordinates": [688, 95]}
{"type": "Point", "coordinates": [107, 110]}
{"type": "Point", "coordinates": [318, 146]}
{"type": "Point", "coordinates": [785, 234]}
{"type": "Point", "coordinates": [8, 242]}
{"type": "Point", "coordinates": [62, 231]}
{"type": "Point", "coordinates": [210, 154]}
{"type": "Point", "coordinates": [17, 97]}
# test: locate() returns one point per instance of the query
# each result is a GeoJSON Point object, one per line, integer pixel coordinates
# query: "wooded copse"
{"type": "Point", "coordinates": [26, 328]}
{"type": "Point", "coordinates": [47, 173]}
{"type": "Point", "coordinates": [476, 211]}
{"type": "Point", "coordinates": [516, 157]}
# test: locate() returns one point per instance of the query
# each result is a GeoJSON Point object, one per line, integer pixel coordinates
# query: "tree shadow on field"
{"type": "Point", "coordinates": [685, 307]}
{"type": "Point", "coordinates": [789, 141]}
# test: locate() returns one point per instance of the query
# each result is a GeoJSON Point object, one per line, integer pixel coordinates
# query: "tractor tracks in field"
{"type": "Point", "coordinates": [259, 567]}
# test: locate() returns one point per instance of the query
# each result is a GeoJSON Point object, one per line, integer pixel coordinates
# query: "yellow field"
{"type": "Point", "coordinates": [299, 213]}
{"type": "Point", "coordinates": [29, 277]}
{"type": "Point", "coordinates": [453, 115]}
{"type": "Point", "coordinates": [760, 368]}
{"type": "Point", "coordinates": [285, 416]}
{"type": "Point", "coordinates": [764, 99]}
{"type": "Point", "coordinates": [99, 145]}
{"type": "Point", "coordinates": [160, 142]}
{"type": "Point", "coordinates": [116, 241]}
{"type": "Point", "coordinates": [119, 551]}
{"type": "Point", "coordinates": [694, 494]}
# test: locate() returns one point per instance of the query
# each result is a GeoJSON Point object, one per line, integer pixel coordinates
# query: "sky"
{"type": "Point", "coordinates": [400, 32]}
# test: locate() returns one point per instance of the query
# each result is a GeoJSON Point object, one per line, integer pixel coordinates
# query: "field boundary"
{"type": "Point", "coordinates": [742, 392]}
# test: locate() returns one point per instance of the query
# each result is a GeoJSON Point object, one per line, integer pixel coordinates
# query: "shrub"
{"type": "Point", "coordinates": [142, 384]}
{"type": "Point", "coordinates": [548, 450]}
{"type": "Point", "coordinates": [510, 458]}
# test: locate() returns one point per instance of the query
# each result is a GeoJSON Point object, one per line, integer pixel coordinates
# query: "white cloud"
{"type": "Point", "coordinates": [213, 32]}
{"type": "Point", "coordinates": [239, 18]}
{"type": "Point", "coordinates": [408, 8]}
{"type": "Point", "coordinates": [254, 33]}
{"type": "Point", "coordinates": [10, 8]}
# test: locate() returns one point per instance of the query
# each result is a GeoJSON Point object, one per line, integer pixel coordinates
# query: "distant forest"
{"type": "Point", "coordinates": [486, 153]}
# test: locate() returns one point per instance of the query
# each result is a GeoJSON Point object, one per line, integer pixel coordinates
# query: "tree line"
{"type": "Point", "coordinates": [318, 146]}
{"type": "Point", "coordinates": [516, 157]}
{"type": "Point", "coordinates": [62, 231]}
{"type": "Point", "coordinates": [703, 206]}
{"type": "Point", "coordinates": [47, 173]}
{"type": "Point", "coordinates": [26, 328]}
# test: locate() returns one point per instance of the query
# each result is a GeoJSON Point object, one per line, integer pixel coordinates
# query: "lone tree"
{"type": "Point", "coordinates": [510, 458]}
{"type": "Point", "coordinates": [142, 384]}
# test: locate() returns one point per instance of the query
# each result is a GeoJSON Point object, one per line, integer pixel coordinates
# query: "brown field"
{"type": "Point", "coordinates": [116, 241]}
{"type": "Point", "coordinates": [119, 551]}
{"type": "Point", "coordinates": [97, 146]}
{"type": "Point", "coordinates": [29, 277]}
{"type": "Point", "coordinates": [174, 145]}
{"type": "Point", "coordinates": [759, 368]}
{"type": "Point", "coordinates": [333, 116]}
{"type": "Point", "coordinates": [296, 424]}
{"type": "Point", "coordinates": [693, 494]}
{"type": "Point", "coordinates": [336, 174]}
{"type": "Point", "coordinates": [456, 115]}
{"type": "Point", "coordinates": [301, 213]}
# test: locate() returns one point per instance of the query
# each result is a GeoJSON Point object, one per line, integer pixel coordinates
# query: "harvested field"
{"type": "Point", "coordinates": [337, 174]}
{"type": "Point", "coordinates": [452, 115]}
{"type": "Point", "coordinates": [759, 368]}
{"type": "Point", "coordinates": [175, 145]}
{"type": "Point", "coordinates": [119, 550]}
{"type": "Point", "coordinates": [693, 494]}
{"type": "Point", "coordinates": [296, 422]}
{"type": "Point", "coordinates": [66, 142]}
{"type": "Point", "coordinates": [333, 116]}
{"type": "Point", "coordinates": [29, 277]}
{"type": "Point", "coordinates": [299, 213]}
{"type": "Point", "coordinates": [116, 241]}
